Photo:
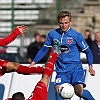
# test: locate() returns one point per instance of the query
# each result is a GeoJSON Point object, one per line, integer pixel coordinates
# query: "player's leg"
{"type": "Point", "coordinates": [78, 82]}
{"type": "Point", "coordinates": [40, 91]}
{"type": "Point", "coordinates": [12, 66]}
{"type": "Point", "coordinates": [60, 79]}
{"type": "Point", "coordinates": [29, 70]}
{"type": "Point", "coordinates": [49, 67]}
{"type": "Point", "coordinates": [87, 95]}
{"type": "Point", "coordinates": [81, 92]}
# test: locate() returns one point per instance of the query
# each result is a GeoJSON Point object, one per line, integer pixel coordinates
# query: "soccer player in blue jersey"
{"type": "Point", "coordinates": [68, 65]}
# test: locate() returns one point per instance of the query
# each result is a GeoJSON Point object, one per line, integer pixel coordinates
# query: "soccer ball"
{"type": "Point", "coordinates": [66, 91]}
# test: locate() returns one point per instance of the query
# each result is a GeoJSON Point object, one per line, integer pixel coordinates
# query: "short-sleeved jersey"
{"type": "Point", "coordinates": [71, 41]}
{"type": "Point", "coordinates": [39, 93]}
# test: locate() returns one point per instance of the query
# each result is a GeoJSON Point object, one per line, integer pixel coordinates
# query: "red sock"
{"type": "Point", "coordinates": [29, 70]}
{"type": "Point", "coordinates": [51, 53]}
{"type": "Point", "coordinates": [3, 63]}
{"type": "Point", "coordinates": [49, 67]}
{"type": "Point", "coordinates": [9, 99]}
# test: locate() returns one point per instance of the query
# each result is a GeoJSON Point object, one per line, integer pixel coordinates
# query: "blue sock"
{"type": "Point", "coordinates": [57, 96]}
{"type": "Point", "coordinates": [87, 95]}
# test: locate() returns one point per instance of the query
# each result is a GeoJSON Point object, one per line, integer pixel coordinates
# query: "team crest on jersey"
{"type": "Point", "coordinates": [69, 40]}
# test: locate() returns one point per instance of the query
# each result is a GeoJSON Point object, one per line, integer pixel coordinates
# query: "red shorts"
{"type": "Point", "coordinates": [3, 64]}
{"type": "Point", "coordinates": [39, 93]}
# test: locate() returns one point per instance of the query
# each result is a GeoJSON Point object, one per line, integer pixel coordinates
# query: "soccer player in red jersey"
{"type": "Point", "coordinates": [7, 66]}
{"type": "Point", "coordinates": [40, 91]}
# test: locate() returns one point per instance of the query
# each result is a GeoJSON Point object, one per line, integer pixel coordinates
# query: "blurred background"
{"type": "Point", "coordinates": [40, 15]}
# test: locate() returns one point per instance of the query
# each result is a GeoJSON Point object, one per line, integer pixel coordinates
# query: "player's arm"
{"type": "Point", "coordinates": [40, 55]}
{"type": "Point", "coordinates": [18, 30]}
{"type": "Point", "coordinates": [90, 61]}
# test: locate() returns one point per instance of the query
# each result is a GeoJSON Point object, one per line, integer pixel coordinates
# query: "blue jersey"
{"type": "Point", "coordinates": [71, 41]}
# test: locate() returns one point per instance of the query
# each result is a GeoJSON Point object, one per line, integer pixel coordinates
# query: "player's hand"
{"type": "Point", "coordinates": [22, 29]}
{"type": "Point", "coordinates": [32, 64]}
{"type": "Point", "coordinates": [91, 70]}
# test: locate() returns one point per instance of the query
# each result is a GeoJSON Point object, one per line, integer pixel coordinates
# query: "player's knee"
{"type": "Point", "coordinates": [15, 65]}
{"type": "Point", "coordinates": [12, 66]}
{"type": "Point", "coordinates": [78, 90]}
{"type": "Point", "coordinates": [78, 93]}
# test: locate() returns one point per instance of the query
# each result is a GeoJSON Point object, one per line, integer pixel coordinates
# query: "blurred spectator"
{"type": "Point", "coordinates": [88, 36]}
{"type": "Point", "coordinates": [45, 58]}
{"type": "Point", "coordinates": [33, 48]}
{"type": "Point", "coordinates": [43, 38]}
{"type": "Point", "coordinates": [94, 45]}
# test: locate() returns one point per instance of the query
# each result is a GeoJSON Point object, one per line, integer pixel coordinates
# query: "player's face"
{"type": "Point", "coordinates": [64, 23]}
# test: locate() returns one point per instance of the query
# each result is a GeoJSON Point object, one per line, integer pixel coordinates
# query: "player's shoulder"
{"type": "Point", "coordinates": [55, 30]}
{"type": "Point", "coordinates": [74, 33]}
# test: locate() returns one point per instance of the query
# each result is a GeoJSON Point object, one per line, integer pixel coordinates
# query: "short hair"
{"type": "Point", "coordinates": [36, 34]}
{"type": "Point", "coordinates": [18, 96]}
{"type": "Point", "coordinates": [87, 30]}
{"type": "Point", "coordinates": [43, 36]}
{"type": "Point", "coordinates": [63, 14]}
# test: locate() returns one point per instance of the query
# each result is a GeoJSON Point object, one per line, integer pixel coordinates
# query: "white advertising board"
{"type": "Point", "coordinates": [14, 82]}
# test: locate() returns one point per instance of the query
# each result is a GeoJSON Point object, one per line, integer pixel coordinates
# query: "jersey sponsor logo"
{"type": "Point", "coordinates": [64, 48]}
{"type": "Point", "coordinates": [69, 40]}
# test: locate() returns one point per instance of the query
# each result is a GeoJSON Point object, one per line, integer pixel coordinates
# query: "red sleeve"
{"type": "Point", "coordinates": [5, 41]}
{"type": "Point", "coordinates": [9, 99]}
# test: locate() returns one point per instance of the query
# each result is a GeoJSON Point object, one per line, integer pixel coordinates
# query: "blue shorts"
{"type": "Point", "coordinates": [74, 77]}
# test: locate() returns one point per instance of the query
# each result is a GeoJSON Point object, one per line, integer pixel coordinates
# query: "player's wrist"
{"type": "Point", "coordinates": [33, 62]}
{"type": "Point", "coordinates": [16, 31]}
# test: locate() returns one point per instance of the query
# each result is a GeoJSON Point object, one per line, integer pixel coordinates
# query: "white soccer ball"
{"type": "Point", "coordinates": [66, 91]}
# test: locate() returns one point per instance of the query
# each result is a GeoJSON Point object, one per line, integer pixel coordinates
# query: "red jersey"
{"type": "Point", "coordinates": [5, 41]}
{"type": "Point", "coordinates": [40, 92]}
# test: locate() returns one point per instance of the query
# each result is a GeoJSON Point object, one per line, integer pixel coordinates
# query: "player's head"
{"type": "Point", "coordinates": [63, 14]}
{"type": "Point", "coordinates": [64, 20]}
{"type": "Point", "coordinates": [18, 96]}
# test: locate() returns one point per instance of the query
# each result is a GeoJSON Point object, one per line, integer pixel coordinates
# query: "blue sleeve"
{"type": "Point", "coordinates": [89, 56]}
{"type": "Point", "coordinates": [41, 54]}
{"type": "Point", "coordinates": [81, 42]}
